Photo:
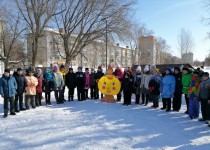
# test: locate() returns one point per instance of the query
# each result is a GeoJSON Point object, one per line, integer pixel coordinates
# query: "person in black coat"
{"type": "Point", "coordinates": [177, 100]}
{"type": "Point", "coordinates": [92, 84]}
{"type": "Point", "coordinates": [70, 83]}
{"type": "Point", "coordinates": [97, 77]}
{"type": "Point", "coordinates": [127, 88]}
{"type": "Point", "coordinates": [21, 85]}
{"type": "Point", "coordinates": [80, 78]}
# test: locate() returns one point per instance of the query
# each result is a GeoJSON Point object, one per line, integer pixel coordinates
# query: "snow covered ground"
{"type": "Point", "coordinates": [94, 125]}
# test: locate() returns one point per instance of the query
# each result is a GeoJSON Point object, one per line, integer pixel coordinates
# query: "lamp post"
{"type": "Point", "coordinates": [104, 19]}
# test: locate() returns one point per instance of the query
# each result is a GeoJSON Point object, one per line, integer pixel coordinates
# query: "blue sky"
{"type": "Point", "coordinates": [167, 17]}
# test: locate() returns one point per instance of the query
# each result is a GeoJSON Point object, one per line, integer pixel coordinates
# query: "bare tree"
{"type": "Point", "coordinates": [12, 38]}
{"type": "Point", "coordinates": [85, 21]}
{"type": "Point", "coordinates": [185, 42]}
{"type": "Point", "coordinates": [36, 14]}
{"type": "Point", "coordinates": [163, 50]}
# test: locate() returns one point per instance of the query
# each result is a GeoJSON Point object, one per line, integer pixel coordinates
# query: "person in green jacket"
{"type": "Point", "coordinates": [186, 80]}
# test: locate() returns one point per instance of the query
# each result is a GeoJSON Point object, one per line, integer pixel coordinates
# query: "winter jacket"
{"type": "Point", "coordinates": [21, 83]}
{"type": "Point", "coordinates": [127, 85]}
{"type": "Point", "coordinates": [137, 83]}
{"type": "Point", "coordinates": [58, 80]}
{"type": "Point", "coordinates": [70, 80]}
{"type": "Point", "coordinates": [80, 79]}
{"type": "Point", "coordinates": [195, 81]}
{"type": "Point", "coordinates": [203, 89]}
{"type": "Point", "coordinates": [32, 82]}
{"type": "Point", "coordinates": [8, 86]}
{"type": "Point", "coordinates": [97, 76]}
{"type": "Point", "coordinates": [40, 82]}
{"type": "Point", "coordinates": [167, 86]}
{"type": "Point", "coordinates": [87, 80]}
{"type": "Point", "coordinates": [63, 73]}
{"type": "Point", "coordinates": [154, 84]}
{"type": "Point", "coordinates": [178, 86]}
{"type": "Point", "coordinates": [92, 79]}
{"type": "Point", "coordinates": [48, 84]}
{"type": "Point", "coordinates": [186, 80]}
{"type": "Point", "coordinates": [145, 84]}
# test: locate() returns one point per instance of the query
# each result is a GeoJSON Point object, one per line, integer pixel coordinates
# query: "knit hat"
{"type": "Point", "coordinates": [62, 66]}
{"type": "Point", "coordinates": [19, 69]}
{"type": "Point", "coordinates": [169, 69]}
{"type": "Point", "coordinates": [92, 70]}
{"type": "Point", "coordinates": [146, 68]}
{"type": "Point", "coordinates": [70, 69]}
{"type": "Point", "coordinates": [177, 68]}
{"type": "Point", "coordinates": [79, 68]}
{"type": "Point", "coordinates": [39, 70]}
{"type": "Point", "coordinates": [30, 70]}
{"type": "Point", "coordinates": [186, 68]}
{"type": "Point", "coordinates": [86, 69]}
{"type": "Point", "coordinates": [152, 67]}
{"type": "Point", "coordinates": [206, 74]}
{"type": "Point", "coordinates": [99, 67]}
{"type": "Point", "coordinates": [138, 68]}
{"type": "Point", "coordinates": [196, 72]}
{"type": "Point", "coordinates": [55, 68]}
{"type": "Point", "coordinates": [7, 70]}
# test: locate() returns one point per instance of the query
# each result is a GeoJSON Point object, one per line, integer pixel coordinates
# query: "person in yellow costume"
{"type": "Point", "coordinates": [109, 85]}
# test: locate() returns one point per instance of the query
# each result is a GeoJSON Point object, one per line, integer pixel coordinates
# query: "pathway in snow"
{"type": "Point", "coordinates": [93, 125]}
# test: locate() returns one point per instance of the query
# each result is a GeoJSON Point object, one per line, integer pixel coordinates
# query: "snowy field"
{"type": "Point", "coordinates": [94, 125]}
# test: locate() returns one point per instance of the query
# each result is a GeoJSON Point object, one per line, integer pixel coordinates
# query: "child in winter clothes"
{"type": "Point", "coordinates": [21, 85]}
{"type": "Point", "coordinates": [38, 97]}
{"type": "Point", "coordinates": [137, 83]}
{"type": "Point", "coordinates": [202, 94]}
{"type": "Point", "coordinates": [92, 84]}
{"type": "Point", "coordinates": [87, 82]}
{"type": "Point", "coordinates": [32, 82]}
{"type": "Point", "coordinates": [167, 88]}
{"type": "Point", "coordinates": [186, 80]}
{"type": "Point", "coordinates": [80, 78]}
{"type": "Point", "coordinates": [58, 85]}
{"type": "Point", "coordinates": [97, 77]}
{"type": "Point", "coordinates": [127, 90]}
{"type": "Point", "coordinates": [71, 83]}
{"type": "Point", "coordinates": [145, 85]}
{"type": "Point", "coordinates": [8, 88]}
{"type": "Point", "coordinates": [154, 86]}
{"type": "Point", "coordinates": [193, 101]}
{"type": "Point", "coordinates": [48, 85]}
{"type": "Point", "coordinates": [177, 100]}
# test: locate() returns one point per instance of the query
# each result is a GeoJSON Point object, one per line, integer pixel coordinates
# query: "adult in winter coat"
{"type": "Point", "coordinates": [63, 73]}
{"type": "Point", "coordinates": [87, 82]}
{"type": "Point", "coordinates": [58, 85]}
{"type": "Point", "coordinates": [126, 88]}
{"type": "Point", "coordinates": [202, 94]}
{"type": "Point", "coordinates": [145, 85]}
{"type": "Point", "coordinates": [48, 85]}
{"type": "Point", "coordinates": [70, 83]}
{"type": "Point", "coordinates": [167, 89]}
{"type": "Point", "coordinates": [154, 86]}
{"type": "Point", "coordinates": [193, 100]}
{"type": "Point", "coordinates": [8, 88]}
{"type": "Point", "coordinates": [21, 85]}
{"type": "Point", "coordinates": [97, 77]}
{"type": "Point", "coordinates": [39, 87]}
{"type": "Point", "coordinates": [92, 84]}
{"type": "Point", "coordinates": [177, 100]}
{"type": "Point", "coordinates": [80, 78]}
{"type": "Point", "coordinates": [137, 83]}
{"type": "Point", "coordinates": [118, 74]}
{"type": "Point", "coordinates": [208, 108]}
{"type": "Point", "coordinates": [186, 80]}
{"type": "Point", "coordinates": [32, 82]}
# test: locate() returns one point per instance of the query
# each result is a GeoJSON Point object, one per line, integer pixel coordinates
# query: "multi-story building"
{"type": "Point", "coordinates": [147, 50]}
{"type": "Point", "coordinates": [2, 24]}
{"type": "Point", "coordinates": [51, 50]}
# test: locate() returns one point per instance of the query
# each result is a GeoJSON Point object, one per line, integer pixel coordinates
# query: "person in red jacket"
{"type": "Point", "coordinates": [38, 97]}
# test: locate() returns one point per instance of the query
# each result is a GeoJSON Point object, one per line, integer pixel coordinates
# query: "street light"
{"type": "Point", "coordinates": [106, 38]}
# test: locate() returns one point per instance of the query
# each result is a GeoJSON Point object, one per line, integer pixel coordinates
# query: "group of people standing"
{"type": "Point", "coordinates": [147, 85]}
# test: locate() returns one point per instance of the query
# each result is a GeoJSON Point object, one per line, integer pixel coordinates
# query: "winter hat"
{"type": "Point", "coordinates": [92, 70]}
{"type": "Point", "coordinates": [47, 69]}
{"type": "Point", "coordinates": [169, 69]}
{"type": "Point", "coordinates": [138, 68]}
{"type": "Point", "coordinates": [206, 74]}
{"type": "Point", "coordinates": [79, 68]}
{"type": "Point", "coordinates": [152, 67]}
{"type": "Point", "coordinates": [99, 67]}
{"type": "Point", "coordinates": [146, 68]}
{"type": "Point", "coordinates": [55, 68]}
{"type": "Point", "coordinates": [126, 69]}
{"type": "Point", "coordinates": [196, 72]}
{"type": "Point", "coordinates": [177, 68]}
{"type": "Point", "coordinates": [127, 74]}
{"type": "Point", "coordinates": [86, 69]}
{"type": "Point", "coordinates": [7, 70]}
{"type": "Point", "coordinates": [70, 69]}
{"type": "Point", "coordinates": [62, 66]}
{"type": "Point", "coordinates": [30, 70]}
{"type": "Point", "coordinates": [39, 70]}
{"type": "Point", "coordinates": [19, 69]}
{"type": "Point", "coordinates": [186, 68]}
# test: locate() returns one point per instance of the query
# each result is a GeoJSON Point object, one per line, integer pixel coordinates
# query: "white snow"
{"type": "Point", "coordinates": [94, 125]}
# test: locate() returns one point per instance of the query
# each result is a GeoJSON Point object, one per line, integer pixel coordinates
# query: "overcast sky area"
{"type": "Point", "coordinates": [167, 17]}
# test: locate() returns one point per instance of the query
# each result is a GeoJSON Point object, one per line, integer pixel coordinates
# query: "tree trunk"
{"type": "Point", "coordinates": [35, 50]}
{"type": "Point", "coordinates": [68, 62]}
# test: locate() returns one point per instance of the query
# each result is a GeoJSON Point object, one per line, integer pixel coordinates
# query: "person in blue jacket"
{"type": "Point", "coordinates": [167, 89]}
{"type": "Point", "coordinates": [8, 87]}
